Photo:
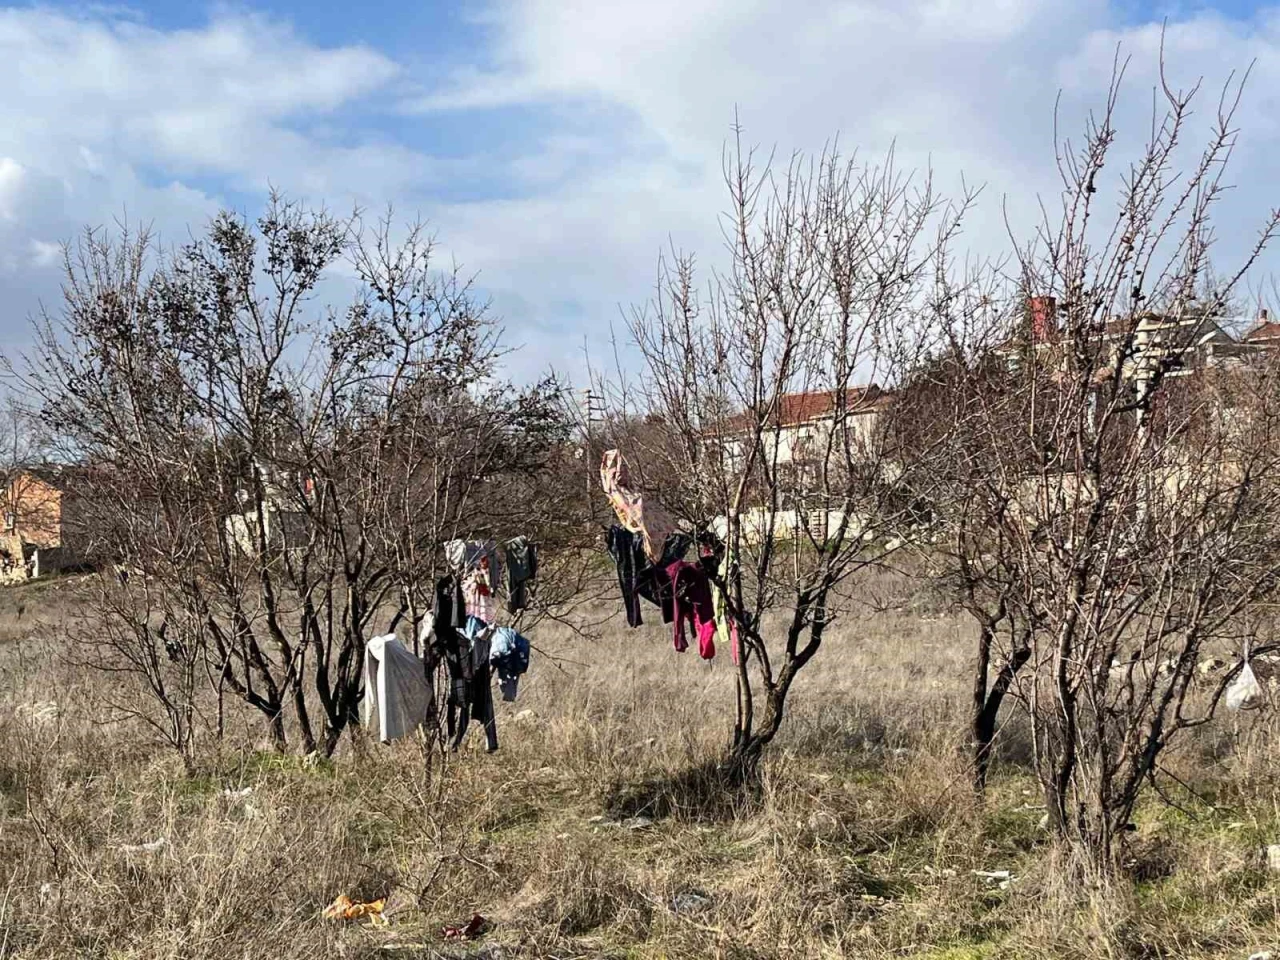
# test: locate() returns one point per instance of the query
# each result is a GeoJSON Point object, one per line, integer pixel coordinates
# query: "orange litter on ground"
{"type": "Point", "coordinates": [344, 908]}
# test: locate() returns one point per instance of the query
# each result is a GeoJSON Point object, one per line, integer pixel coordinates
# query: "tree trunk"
{"type": "Point", "coordinates": [983, 720]}
{"type": "Point", "coordinates": [744, 758]}
{"type": "Point", "coordinates": [279, 741]}
{"type": "Point", "coordinates": [304, 718]}
{"type": "Point", "coordinates": [986, 706]}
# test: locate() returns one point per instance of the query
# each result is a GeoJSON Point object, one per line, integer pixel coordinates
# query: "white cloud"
{"type": "Point", "coordinates": [624, 109]}
{"type": "Point", "coordinates": [107, 118]}
{"type": "Point", "coordinates": [967, 87]}
{"type": "Point", "coordinates": [45, 254]}
{"type": "Point", "coordinates": [11, 176]}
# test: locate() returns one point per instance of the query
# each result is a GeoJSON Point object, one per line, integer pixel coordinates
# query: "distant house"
{"type": "Point", "coordinates": [1265, 334]}
{"type": "Point", "coordinates": [283, 524]}
{"type": "Point", "coordinates": [802, 428]}
{"type": "Point", "coordinates": [1178, 345]}
{"type": "Point", "coordinates": [802, 434]}
{"type": "Point", "coordinates": [46, 525]}
{"type": "Point", "coordinates": [1141, 345]}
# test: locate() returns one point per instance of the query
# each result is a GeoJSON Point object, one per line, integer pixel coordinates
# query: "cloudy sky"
{"type": "Point", "coordinates": [557, 145]}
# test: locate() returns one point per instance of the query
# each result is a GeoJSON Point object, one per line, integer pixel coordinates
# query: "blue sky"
{"type": "Point", "coordinates": [556, 146]}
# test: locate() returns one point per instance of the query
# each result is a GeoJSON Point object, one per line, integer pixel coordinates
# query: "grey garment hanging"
{"type": "Point", "coordinates": [522, 569]}
{"type": "Point", "coordinates": [397, 690]}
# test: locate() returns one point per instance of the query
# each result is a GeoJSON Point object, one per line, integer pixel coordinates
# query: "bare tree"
{"type": "Point", "coordinates": [283, 479]}
{"type": "Point", "coordinates": [830, 264]}
{"type": "Point", "coordinates": [941, 409]}
{"type": "Point", "coordinates": [1118, 470]}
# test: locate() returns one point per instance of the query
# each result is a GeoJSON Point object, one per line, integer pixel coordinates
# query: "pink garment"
{"type": "Point", "coordinates": [478, 595]}
{"type": "Point", "coordinates": [691, 593]}
{"type": "Point", "coordinates": [635, 513]}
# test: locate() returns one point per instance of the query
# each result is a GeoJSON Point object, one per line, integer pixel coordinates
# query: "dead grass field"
{"type": "Point", "coordinates": [598, 830]}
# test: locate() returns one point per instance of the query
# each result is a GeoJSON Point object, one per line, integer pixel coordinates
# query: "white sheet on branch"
{"type": "Point", "coordinates": [397, 693]}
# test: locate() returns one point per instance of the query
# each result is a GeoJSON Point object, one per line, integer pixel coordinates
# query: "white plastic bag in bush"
{"type": "Point", "coordinates": [1244, 692]}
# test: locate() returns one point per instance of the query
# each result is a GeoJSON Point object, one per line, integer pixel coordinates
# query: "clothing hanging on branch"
{"type": "Point", "coordinates": [718, 562]}
{"type": "Point", "coordinates": [464, 633]}
{"type": "Point", "coordinates": [447, 622]}
{"type": "Point", "coordinates": [463, 556]}
{"type": "Point", "coordinates": [477, 591]}
{"type": "Point", "coordinates": [522, 569]}
{"type": "Point", "coordinates": [635, 512]}
{"type": "Point", "coordinates": [509, 657]}
{"type": "Point", "coordinates": [477, 704]}
{"type": "Point", "coordinates": [628, 555]}
{"type": "Point", "coordinates": [397, 691]}
{"type": "Point", "coordinates": [691, 595]}
{"type": "Point", "coordinates": [638, 578]}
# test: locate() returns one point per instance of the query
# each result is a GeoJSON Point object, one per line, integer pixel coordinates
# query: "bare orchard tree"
{"type": "Point", "coordinates": [1122, 469]}
{"type": "Point", "coordinates": [943, 409]}
{"type": "Point", "coordinates": [283, 479]}
{"type": "Point", "coordinates": [773, 393]}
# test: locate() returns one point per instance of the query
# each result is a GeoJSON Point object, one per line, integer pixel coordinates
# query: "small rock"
{"type": "Point", "coordinates": [523, 716]}
{"type": "Point", "coordinates": [823, 822]}
{"type": "Point", "coordinates": [997, 878]}
{"type": "Point", "coordinates": [1273, 858]}
{"type": "Point", "coordinates": [1261, 955]}
{"type": "Point", "coordinates": [690, 901]}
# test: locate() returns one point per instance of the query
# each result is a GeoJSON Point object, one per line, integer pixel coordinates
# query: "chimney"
{"type": "Point", "coordinates": [1044, 319]}
{"type": "Point", "coordinates": [1262, 316]}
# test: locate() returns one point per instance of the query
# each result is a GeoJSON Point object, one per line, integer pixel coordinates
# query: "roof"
{"type": "Point", "coordinates": [795, 409]}
{"type": "Point", "coordinates": [1151, 322]}
{"type": "Point", "coordinates": [62, 476]}
{"type": "Point", "coordinates": [1266, 330]}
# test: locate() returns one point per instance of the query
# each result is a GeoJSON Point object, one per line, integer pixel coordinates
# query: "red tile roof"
{"type": "Point", "coordinates": [1267, 330]}
{"type": "Point", "coordinates": [798, 408]}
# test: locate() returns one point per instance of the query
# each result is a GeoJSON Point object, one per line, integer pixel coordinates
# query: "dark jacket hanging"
{"type": "Point", "coordinates": [479, 699]}
{"type": "Point", "coordinates": [627, 551]}
{"type": "Point", "coordinates": [522, 569]}
{"type": "Point", "coordinates": [449, 616]}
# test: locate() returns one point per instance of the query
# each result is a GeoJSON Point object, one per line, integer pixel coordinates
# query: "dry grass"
{"type": "Point", "coordinates": [860, 840]}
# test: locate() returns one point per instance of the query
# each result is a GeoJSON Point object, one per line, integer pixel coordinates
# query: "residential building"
{"type": "Point", "coordinates": [1141, 345]}
{"type": "Point", "coordinates": [46, 523]}
{"type": "Point", "coordinates": [283, 522]}
{"type": "Point", "coordinates": [801, 430]}
{"type": "Point", "coordinates": [805, 433]}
